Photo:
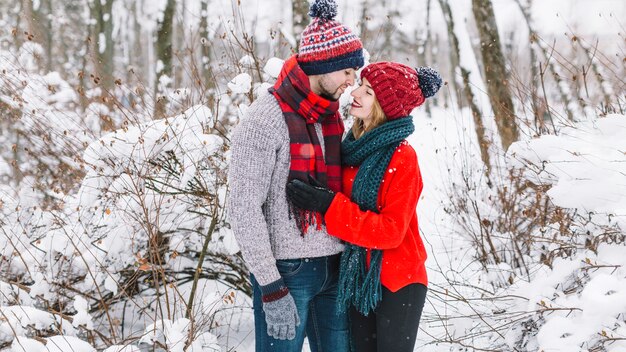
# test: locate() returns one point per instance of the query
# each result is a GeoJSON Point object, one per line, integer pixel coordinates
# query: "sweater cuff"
{"type": "Point", "coordinates": [274, 291]}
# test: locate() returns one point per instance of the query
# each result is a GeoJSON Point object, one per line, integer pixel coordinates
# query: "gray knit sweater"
{"type": "Point", "coordinates": [257, 204]}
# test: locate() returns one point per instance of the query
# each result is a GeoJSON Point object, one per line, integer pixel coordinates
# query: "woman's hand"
{"type": "Point", "coordinates": [313, 197]}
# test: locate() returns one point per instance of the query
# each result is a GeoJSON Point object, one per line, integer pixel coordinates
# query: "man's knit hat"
{"type": "Point", "coordinates": [399, 88]}
{"type": "Point", "coordinates": [326, 45]}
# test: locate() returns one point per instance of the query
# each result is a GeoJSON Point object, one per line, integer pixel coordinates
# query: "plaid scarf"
{"type": "Point", "coordinates": [302, 109]}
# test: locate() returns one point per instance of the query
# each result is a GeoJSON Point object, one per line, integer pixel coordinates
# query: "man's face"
{"type": "Point", "coordinates": [332, 85]}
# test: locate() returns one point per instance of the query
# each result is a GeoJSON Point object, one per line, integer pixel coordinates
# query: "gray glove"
{"type": "Point", "coordinates": [280, 310]}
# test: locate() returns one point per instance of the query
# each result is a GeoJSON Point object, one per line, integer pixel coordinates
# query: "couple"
{"type": "Point", "coordinates": [328, 228]}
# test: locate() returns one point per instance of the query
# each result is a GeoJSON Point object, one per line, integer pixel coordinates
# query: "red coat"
{"type": "Point", "coordinates": [394, 229]}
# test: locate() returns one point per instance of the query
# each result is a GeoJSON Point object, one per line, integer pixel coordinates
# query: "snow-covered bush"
{"type": "Point", "coordinates": [118, 238]}
{"type": "Point", "coordinates": [43, 130]}
{"type": "Point", "coordinates": [549, 245]}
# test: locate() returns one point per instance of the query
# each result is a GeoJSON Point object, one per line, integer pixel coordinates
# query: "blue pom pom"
{"type": "Point", "coordinates": [430, 80]}
{"type": "Point", "coordinates": [326, 9]}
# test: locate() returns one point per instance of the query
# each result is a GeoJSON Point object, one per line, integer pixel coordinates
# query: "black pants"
{"type": "Point", "coordinates": [392, 327]}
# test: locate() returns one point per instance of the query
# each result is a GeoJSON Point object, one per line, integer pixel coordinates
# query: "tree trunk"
{"type": "Point", "coordinates": [102, 37]}
{"type": "Point", "coordinates": [300, 18]}
{"type": "Point", "coordinates": [388, 28]}
{"type": "Point", "coordinates": [601, 76]}
{"type": "Point", "coordinates": [422, 45]}
{"type": "Point", "coordinates": [364, 32]}
{"type": "Point", "coordinates": [456, 82]}
{"type": "Point", "coordinates": [495, 72]}
{"type": "Point", "coordinates": [534, 75]}
{"type": "Point", "coordinates": [70, 52]}
{"type": "Point", "coordinates": [34, 31]}
{"type": "Point", "coordinates": [208, 79]}
{"type": "Point", "coordinates": [18, 37]}
{"type": "Point", "coordinates": [566, 97]}
{"type": "Point", "coordinates": [44, 16]}
{"type": "Point", "coordinates": [164, 55]}
{"type": "Point", "coordinates": [102, 54]}
{"type": "Point", "coordinates": [178, 45]}
{"type": "Point", "coordinates": [421, 49]}
{"type": "Point", "coordinates": [40, 27]}
{"type": "Point", "coordinates": [138, 49]}
{"type": "Point", "coordinates": [479, 127]}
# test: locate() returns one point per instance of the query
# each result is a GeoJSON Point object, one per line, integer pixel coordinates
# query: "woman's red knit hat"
{"type": "Point", "coordinates": [400, 88]}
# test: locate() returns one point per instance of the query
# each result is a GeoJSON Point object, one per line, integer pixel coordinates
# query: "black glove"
{"type": "Point", "coordinates": [313, 197]}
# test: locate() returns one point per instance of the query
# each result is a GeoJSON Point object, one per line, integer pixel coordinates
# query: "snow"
{"type": "Point", "coordinates": [23, 344]}
{"type": "Point", "coordinates": [241, 84]}
{"type": "Point", "coordinates": [67, 343]}
{"type": "Point", "coordinates": [110, 283]}
{"type": "Point", "coordinates": [587, 314]}
{"type": "Point", "coordinates": [584, 17]}
{"type": "Point", "coordinates": [122, 348]}
{"type": "Point", "coordinates": [586, 153]}
{"type": "Point", "coordinates": [587, 157]}
{"type": "Point", "coordinates": [246, 60]}
{"type": "Point", "coordinates": [102, 43]}
{"type": "Point", "coordinates": [19, 319]}
{"type": "Point", "coordinates": [273, 67]}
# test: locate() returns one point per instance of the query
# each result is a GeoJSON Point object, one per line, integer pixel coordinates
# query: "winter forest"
{"type": "Point", "coordinates": [115, 125]}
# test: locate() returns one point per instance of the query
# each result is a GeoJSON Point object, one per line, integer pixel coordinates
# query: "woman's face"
{"type": "Point", "coordinates": [363, 102]}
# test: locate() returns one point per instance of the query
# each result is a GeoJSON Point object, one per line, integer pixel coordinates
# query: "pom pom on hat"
{"type": "Point", "coordinates": [430, 81]}
{"type": "Point", "coordinates": [326, 9]}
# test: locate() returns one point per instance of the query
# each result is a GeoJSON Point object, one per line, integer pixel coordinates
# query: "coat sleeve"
{"type": "Point", "coordinates": [386, 229]}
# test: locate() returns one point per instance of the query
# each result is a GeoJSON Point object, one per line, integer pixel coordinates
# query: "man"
{"type": "Point", "coordinates": [294, 133]}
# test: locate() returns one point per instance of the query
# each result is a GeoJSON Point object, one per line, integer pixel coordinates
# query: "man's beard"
{"type": "Point", "coordinates": [327, 94]}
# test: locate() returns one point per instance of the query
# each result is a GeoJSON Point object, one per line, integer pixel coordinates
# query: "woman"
{"type": "Point", "coordinates": [383, 278]}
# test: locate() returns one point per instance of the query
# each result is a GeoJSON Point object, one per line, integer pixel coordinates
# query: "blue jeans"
{"type": "Point", "coordinates": [313, 284]}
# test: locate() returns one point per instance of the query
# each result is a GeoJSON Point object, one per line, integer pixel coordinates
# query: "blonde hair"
{"type": "Point", "coordinates": [378, 118]}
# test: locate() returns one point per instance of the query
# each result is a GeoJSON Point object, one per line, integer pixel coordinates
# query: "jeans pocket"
{"type": "Point", "coordinates": [289, 267]}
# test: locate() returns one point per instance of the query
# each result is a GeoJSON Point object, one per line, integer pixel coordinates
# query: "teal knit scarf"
{"type": "Point", "coordinates": [372, 153]}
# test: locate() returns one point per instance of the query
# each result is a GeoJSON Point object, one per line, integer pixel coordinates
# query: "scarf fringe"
{"type": "Point", "coordinates": [359, 286]}
{"type": "Point", "coordinates": [305, 219]}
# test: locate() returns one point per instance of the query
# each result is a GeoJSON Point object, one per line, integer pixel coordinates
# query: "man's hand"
{"type": "Point", "coordinates": [281, 314]}
{"type": "Point", "coordinates": [313, 197]}
{"type": "Point", "coordinates": [282, 318]}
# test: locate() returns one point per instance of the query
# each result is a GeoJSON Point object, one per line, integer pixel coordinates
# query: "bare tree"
{"type": "Point", "coordinates": [101, 47]}
{"type": "Point", "coordinates": [300, 17]}
{"type": "Point", "coordinates": [363, 30]}
{"type": "Point", "coordinates": [164, 53]}
{"type": "Point", "coordinates": [102, 39]}
{"type": "Point", "coordinates": [537, 42]}
{"type": "Point", "coordinates": [422, 46]}
{"type": "Point", "coordinates": [135, 51]}
{"type": "Point", "coordinates": [208, 78]}
{"type": "Point", "coordinates": [33, 29]}
{"type": "Point", "coordinates": [481, 134]}
{"type": "Point", "coordinates": [455, 81]}
{"type": "Point", "coordinates": [495, 72]}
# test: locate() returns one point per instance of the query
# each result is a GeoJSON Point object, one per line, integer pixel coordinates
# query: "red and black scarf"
{"type": "Point", "coordinates": [302, 109]}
